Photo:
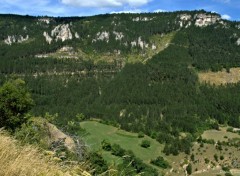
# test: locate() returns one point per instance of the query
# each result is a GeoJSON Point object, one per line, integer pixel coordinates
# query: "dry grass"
{"type": "Point", "coordinates": [221, 77]}
{"type": "Point", "coordinates": [16, 160]}
{"type": "Point", "coordinates": [219, 135]}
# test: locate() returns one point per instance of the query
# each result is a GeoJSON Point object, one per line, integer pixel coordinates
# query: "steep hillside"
{"type": "Point", "coordinates": [138, 71]}
{"type": "Point", "coordinates": [28, 160]}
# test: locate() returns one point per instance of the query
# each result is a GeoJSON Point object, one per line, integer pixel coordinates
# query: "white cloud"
{"type": "Point", "coordinates": [226, 17]}
{"type": "Point", "coordinates": [105, 3]}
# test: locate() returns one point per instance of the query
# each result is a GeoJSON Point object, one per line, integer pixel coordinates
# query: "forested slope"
{"type": "Point", "coordinates": [100, 66]}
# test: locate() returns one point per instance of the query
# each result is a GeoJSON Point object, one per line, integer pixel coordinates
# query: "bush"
{"type": "Point", "coordinates": [117, 150]}
{"type": "Point", "coordinates": [140, 135]}
{"type": "Point", "coordinates": [145, 144]}
{"type": "Point", "coordinates": [160, 162]}
{"type": "Point", "coordinates": [15, 102]}
{"type": "Point", "coordinates": [189, 169]}
{"type": "Point", "coordinates": [106, 145]}
{"type": "Point", "coordinates": [97, 163]}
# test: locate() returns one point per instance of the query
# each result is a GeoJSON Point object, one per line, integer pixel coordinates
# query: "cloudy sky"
{"type": "Point", "coordinates": [229, 9]}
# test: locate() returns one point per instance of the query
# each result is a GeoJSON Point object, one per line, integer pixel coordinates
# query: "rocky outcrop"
{"type": "Point", "coordinates": [119, 35]}
{"type": "Point", "coordinates": [47, 37]}
{"type": "Point", "coordinates": [44, 20]}
{"type": "Point", "coordinates": [15, 39]}
{"type": "Point", "coordinates": [142, 19]}
{"type": "Point", "coordinates": [238, 42]}
{"type": "Point", "coordinates": [77, 35]}
{"type": "Point", "coordinates": [185, 17]}
{"type": "Point", "coordinates": [202, 20]}
{"type": "Point", "coordinates": [139, 42]}
{"type": "Point", "coordinates": [62, 32]}
{"type": "Point", "coordinates": [103, 36]}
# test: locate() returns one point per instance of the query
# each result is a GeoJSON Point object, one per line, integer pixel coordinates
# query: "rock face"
{"type": "Point", "coordinates": [142, 19]}
{"type": "Point", "coordinates": [185, 17]}
{"type": "Point", "coordinates": [203, 20]}
{"type": "Point", "coordinates": [103, 36]}
{"type": "Point", "coordinates": [45, 20]}
{"type": "Point", "coordinates": [119, 35]}
{"type": "Point", "coordinates": [47, 37]}
{"type": "Point", "coordinates": [15, 39]}
{"type": "Point", "coordinates": [55, 135]}
{"type": "Point", "coordinates": [62, 32]}
{"type": "Point", "coordinates": [200, 20]}
{"type": "Point", "coordinates": [77, 35]}
{"type": "Point", "coordinates": [238, 42]}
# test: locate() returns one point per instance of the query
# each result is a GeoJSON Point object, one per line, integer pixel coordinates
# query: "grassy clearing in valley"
{"type": "Point", "coordinates": [220, 135]}
{"type": "Point", "coordinates": [97, 132]}
{"type": "Point", "coordinates": [221, 77]}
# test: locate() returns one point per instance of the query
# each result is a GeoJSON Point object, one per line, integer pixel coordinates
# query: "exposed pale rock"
{"type": "Point", "coordinates": [203, 20]}
{"type": "Point", "coordinates": [142, 19]}
{"type": "Point", "coordinates": [102, 36]}
{"type": "Point", "coordinates": [119, 35]}
{"type": "Point", "coordinates": [66, 49]}
{"type": "Point", "coordinates": [62, 32]}
{"type": "Point", "coordinates": [154, 47]}
{"type": "Point", "coordinates": [77, 35]}
{"type": "Point", "coordinates": [185, 17]}
{"type": "Point", "coordinates": [45, 20]}
{"type": "Point", "coordinates": [47, 37]}
{"type": "Point", "coordinates": [140, 42]}
{"type": "Point", "coordinates": [118, 52]}
{"type": "Point", "coordinates": [15, 39]}
{"type": "Point", "coordinates": [134, 43]}
{"type": "Point", "coordinates": [238, 42]}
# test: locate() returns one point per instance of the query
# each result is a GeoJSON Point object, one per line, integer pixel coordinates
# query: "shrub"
{"type": "Point", "coordinates": [117, 150]}
{"type": "Point", "coordinates": [106, 145]}
{"type": "Point", "coordinates": [145, 144]}
{"type": "Point", "coordinates": [160, 162]}
{"type": "Point", "coordinates": [15, 102]}
{"type": "Point", "coordinates": [140, 135]}
{"type": "Point", "coordinates": [189, 169]}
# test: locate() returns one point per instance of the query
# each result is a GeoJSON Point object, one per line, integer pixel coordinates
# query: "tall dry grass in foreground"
{"type": "Point", "coordinates": [16, 160]}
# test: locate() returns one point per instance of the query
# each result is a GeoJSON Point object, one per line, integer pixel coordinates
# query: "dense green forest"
{"type": "Point", "coordinates": [161, 97]}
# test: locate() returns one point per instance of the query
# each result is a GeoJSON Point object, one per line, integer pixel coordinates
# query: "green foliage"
{"type": "Point", "coordinates": [117, 150]}
{"type": "Point", "coordinates": [206, 160]}
{"type": "Point", "coordinates": [216, 157]}
{"type": "Point", "coordinates": [189, 168]}
{"type": "Point", "coordinates": [15, 102]}
{"type": "Point", "coordinates": [106, 145]}
{"type": "Point", "coordinates": [161, 97]}
{"type": "Point", "coordinates": [97, 163]}
{"type": "Point", "coordinates": [34, 131]}
{"type": "Point", "coordinates": [160, 162]}
{"type": "Point", "coordinates": [145, 144]}
{"type": "Point", "coordinates": [192, 157]}
{"type": "Point", "coordinates": [140, 134]}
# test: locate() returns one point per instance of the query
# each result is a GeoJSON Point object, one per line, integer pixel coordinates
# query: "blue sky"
{"type": "Point", "coordinates": [229, 9]}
